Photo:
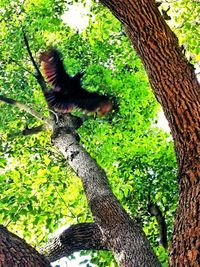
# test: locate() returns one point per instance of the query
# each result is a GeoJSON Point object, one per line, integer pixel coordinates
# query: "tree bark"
{"type": "Point", "coordinates": [113, 228]}
{"type": "Point", "coordinates": [120, 233]}
{"type": "Point", "coordinates": [15, 252]}
{"type": "Point", "coordinates": [176, 88]}
{"type": "Point", "coordinates": [83, 236]}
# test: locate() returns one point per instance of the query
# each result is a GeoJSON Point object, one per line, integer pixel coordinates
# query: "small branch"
{"type": "Point", "coordinates": [171, 2]}
{"type": "Point", "coordinates": [11, 60]}
{"type": "Point", "coordinates": [154, 210]}
{"type": "Point", "coordinates": [28, 109]}
{"type": "Point", "coordinates": [67, 206]}
{"type": "Point", "coordinates": [35, 130]}
{"type": "Point", "coordinates": [165, 15]}
{"type": "Point", "coordinates": [83, 236]}
{"type": "Point", "coordinates": [25, 69]}
{"type": "Point", "coordinates": [38, 75]}
{"type": "Point", "coordinates": [27, 131]}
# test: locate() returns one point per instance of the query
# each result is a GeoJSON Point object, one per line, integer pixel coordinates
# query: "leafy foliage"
{"type": "Point", "coordinates": [38, 192]}
{"type": "Point", "coordinates": [185, 23]}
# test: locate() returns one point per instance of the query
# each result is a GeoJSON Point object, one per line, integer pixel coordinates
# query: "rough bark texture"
{"type": "Point", "coordinates": [176, 88]}
{"type": "Point", "coordinates": [83, 236]}
{"type": "Point", "coordinates": [15, 252]}
{"type": "Point", "coordinates": [120, 234]}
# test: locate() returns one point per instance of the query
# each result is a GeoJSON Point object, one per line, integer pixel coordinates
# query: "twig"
{"type": "Point", "coordinates": [11, 60]}
{"type": "Point", "coordinates": [171, 2]}
{"type": "Point", "coordinates": [28, 109]}
{"type": "Point", "coordinates": [73, 215]}
{"type": "Point", "coordinates": [25, 69]}
{"type": "Point", "coordinates": [35, 130]}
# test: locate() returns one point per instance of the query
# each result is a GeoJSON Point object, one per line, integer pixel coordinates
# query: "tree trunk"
{"type": "Point", "coordinates": [119, 233]}
{"type": "Point", "coordinates": [176, 88]}
{"type": "Point", "coordinates": [15, 252]}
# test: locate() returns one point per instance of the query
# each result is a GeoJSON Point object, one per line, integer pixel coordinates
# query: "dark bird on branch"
{"type": "Point", "coordinates": [67, 93]}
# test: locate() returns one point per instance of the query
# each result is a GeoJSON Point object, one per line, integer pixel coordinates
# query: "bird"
{"type": "Point", "coordinates": [67, 93]}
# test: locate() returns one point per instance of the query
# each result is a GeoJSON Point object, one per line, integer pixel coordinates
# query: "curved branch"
{"type": "Point", "coordinates": [177, 89]}
{"type": "Point", "coordinates": [28, 109]}
{"type": "Point", "coordinates": [155, 210]}
{"type": "Point", "coordinates": [83, 236]}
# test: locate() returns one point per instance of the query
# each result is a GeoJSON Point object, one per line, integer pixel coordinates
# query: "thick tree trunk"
{"type": "Point", "coordinates": [15, 252]}
{"type": "Point", "coordinates": [120, 233]}
{"type": "Point", "coordinates": [176, 88]}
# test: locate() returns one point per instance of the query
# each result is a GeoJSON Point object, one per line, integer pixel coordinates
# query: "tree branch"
{"type": "Point", "coordinates": [120, 233]}
{"type": "Point", "coordinates": [29, 131]}
{"type": "Point", "coordinates": [14, 251]}
{"type": "Point", "coordinates": [155, 210]}
{"type": "Point", "coordinates": [11, 60]}
{"type": "Point", "coordinates": [35, 130]}
{"type": "Point", "coordinates": [83, 236]}
{"type": "Point", "coordinates": [28, 109]}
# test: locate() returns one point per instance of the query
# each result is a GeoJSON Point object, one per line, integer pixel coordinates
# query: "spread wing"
{"type": "Point", "coordinates": [67, 92]}
{"type": "Point", "coordinates": [54, 71]}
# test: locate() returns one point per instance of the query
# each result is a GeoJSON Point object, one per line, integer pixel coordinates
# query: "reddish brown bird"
{"type": "Point", "coordinates": [67, 93]}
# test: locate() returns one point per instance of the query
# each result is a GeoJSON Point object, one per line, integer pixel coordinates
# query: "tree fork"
{"type": "Point", "coordinates": [175, 86]}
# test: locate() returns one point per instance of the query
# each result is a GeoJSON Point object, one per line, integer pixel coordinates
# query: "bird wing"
{"type": "Point", "coordinates": [54, 71]}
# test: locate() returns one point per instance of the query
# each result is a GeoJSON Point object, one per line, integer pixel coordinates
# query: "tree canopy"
{"type": "Point", "coordinates": [128, 144]}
